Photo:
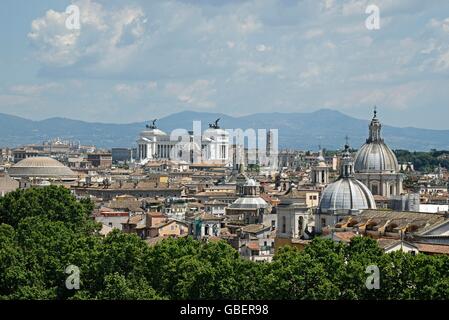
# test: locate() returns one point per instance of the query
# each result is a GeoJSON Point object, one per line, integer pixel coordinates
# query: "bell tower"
{"type": "Point", "coordinates": [320, 171]}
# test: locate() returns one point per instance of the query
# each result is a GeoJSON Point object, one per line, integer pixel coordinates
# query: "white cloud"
{"type": "Point", "coordinates": [258, 68]}
{"type": "Point", "coordinates": [35, 89]}
{"type": "Point", "coordinates": [197, 93]}
{"type": "Point", "coordinates": [263, 48]}
{"type": "Point", "coordinates": [443, 61]}
{"type": "Point", "coordinates": [398, 97]}
{"type": "Point", "coordinates": [245, 55]}
{"type": "Point", "coordinates": [9, 100]}
{"type": "Point", "coordinates": [135, 90]}
{"type": "Point", "coordinates": [313, 33]}
{"type": "Point", "coordinates": [106, 36]}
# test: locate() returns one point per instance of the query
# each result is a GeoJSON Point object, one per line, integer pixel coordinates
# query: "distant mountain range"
{"type": "Point", "coordinates": [306, 131]}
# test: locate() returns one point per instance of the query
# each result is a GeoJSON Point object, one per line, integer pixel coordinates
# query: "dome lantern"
{"type": "Point", "coordinates": [375, 156]}
{"type": "Point", "coordinates": [347, 164]}
{"type": "Point", "coordinates": [374, 129]}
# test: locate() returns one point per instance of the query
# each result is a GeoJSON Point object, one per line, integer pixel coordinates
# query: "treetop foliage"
{"type": "Point", "coordinates": [42, 231]}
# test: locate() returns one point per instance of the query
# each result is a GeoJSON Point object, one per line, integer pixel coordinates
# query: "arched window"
{"type": "Point", "coordinates": [300, 225]}
{"type": "Point", "coordinates": [375, 189]}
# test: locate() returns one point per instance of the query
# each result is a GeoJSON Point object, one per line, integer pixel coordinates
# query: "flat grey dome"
{"type": "Point", "coordinates": [41, 167]}
{"type": "Point", "coordinates": [375, 157]}
{"type": "Point", "coordinates": [249, 203]}
{"type": "Point", "coordinates": [345, 195]}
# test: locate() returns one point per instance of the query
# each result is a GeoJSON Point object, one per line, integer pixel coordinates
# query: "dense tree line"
{"type": "Point", "coordinates": [44, 230]}
{"type": "Point", "coordinates": [424, 161]}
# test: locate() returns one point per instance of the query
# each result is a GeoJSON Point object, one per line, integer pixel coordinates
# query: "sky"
{"type": "Point", "coordinates": [137, 60]}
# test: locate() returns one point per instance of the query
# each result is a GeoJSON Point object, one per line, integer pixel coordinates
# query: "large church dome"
{"type": "Point", "coordinates": [347, 194]}
{"type": "Point", "coordinates": [41, 167]}
{"type": "Point", "coordinates": [375, 156]}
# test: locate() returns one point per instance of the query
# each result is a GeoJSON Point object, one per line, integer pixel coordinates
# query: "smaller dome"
{"type": "Point", "coordinates": [249, 203]}
{"type": "Point", "coordinates": [41, 167]}
{"type": "Point", "coordinates": [345, 195]}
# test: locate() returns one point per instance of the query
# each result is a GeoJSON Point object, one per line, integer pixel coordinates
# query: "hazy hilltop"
{"type": "Point", "coordinates": [324, 127]}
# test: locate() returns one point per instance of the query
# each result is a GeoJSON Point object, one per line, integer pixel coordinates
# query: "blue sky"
{"type": "Point", "coordinates": [136, 60]}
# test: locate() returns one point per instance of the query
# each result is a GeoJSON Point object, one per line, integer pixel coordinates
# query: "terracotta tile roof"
{"type": "Point", "coordinates": [254, 228]}
{"type": "Point", "coordinates": [107, 212]}
{"type": "Point", "coordinates": [216, 193]}
{"type": "Point", "coordinates": [300, 241]}
{"type": "Point", "coordinates": [160, 225]}
{"type": "Point", "coordinates": [344, 235]}
{"type": "Point", "coordinates": [253, 245]}
{"type": "Point", "coordinates": [156, 215]}
{"type": "Point", "coordinates": [207, 216]}
{"type": "Point", "coordinates": [433, 248]}
{"type": "Point", "coordinates": [385, 242]}
{"type": "Point", "coordinates": [135, 219]}
{"type": "Point", "coordinates": [216, 202]}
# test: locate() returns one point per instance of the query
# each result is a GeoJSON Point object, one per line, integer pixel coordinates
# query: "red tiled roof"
{"type": "Point", "coordinates": [345, 235]}
{"type": "Point", "coordinates": [433, 248]}
{"type": "Point", "coordinates": [253, 245]}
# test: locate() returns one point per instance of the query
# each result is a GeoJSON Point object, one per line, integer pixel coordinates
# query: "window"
{"type": "Point", "coordinates": [284, 226]}
{"type": "Point", "coordinates": [300, 225]}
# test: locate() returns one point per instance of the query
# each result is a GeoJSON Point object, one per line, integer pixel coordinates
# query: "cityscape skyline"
{"type": "Point", "coordinates": [130, 62]}
{"type": "Point", "coordinates": [223, 155]}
